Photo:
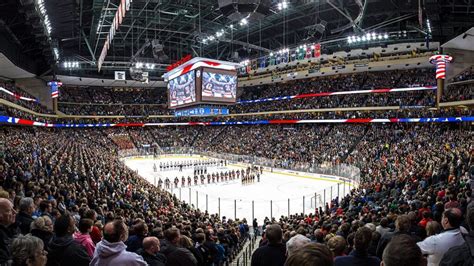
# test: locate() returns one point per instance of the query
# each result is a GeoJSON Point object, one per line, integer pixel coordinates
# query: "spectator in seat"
{"type": "Point", "coordinates": [462, 255]}
{"type": "Point", "coordinates": [140, 231]}
{"type": "Point", "coordinates": [402, 251]}
{"type": "Point", "coordinates": [83, 236]}
{"type": "Point", "coordinates": [435, 246]}
{"type": "Point", "coordinates": [112, 250]}
{"type": "Point", "coordinates": [176, 255]}
{"type": "Point", "coordinates": [46, 208]}
{"type": "Point", "coordinates": [96, 234]}
{"type": "Point", "coordinates": [433, 228]}
{"type": "Point", "coordinates": [24, 218]}
{"type": "Point", "coordinates": [452, 203]}
{"type": "Point", "coordinates": [42, 228]}
{"type": "Point", "coordinates": [187, 243]}
{"type": "Point", "coordinates": [318, 236]}
{"type": "Point", "coordinates": [7, 218]}
{"type": "Point", "coordinates": [383, 227]}
{"type": "Point", "coordinates": [360, 254]}
{"type": "Point", "coordinates": [338, 246]}
{"type": "Point", "coordinates": [274, 252]}
{"type": "Point", "coordinates": [151, 252]}
{"type": "Point", "coordinates": [402, 226]}
{"type": "Point", "coordinates": [63, 249]}
{"type": "Point", "coordinates": [296, 243]}
{"type": "Point", "coordinates": [310, 255]}
{"type": "Point", "coordinates": [28, 250]}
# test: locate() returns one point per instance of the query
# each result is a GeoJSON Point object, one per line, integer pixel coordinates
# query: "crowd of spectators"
{"type": "Point", "coordinates": [73, 181]}
{"type": "Point", "coordinates": [467, 74]}
{"type": "Point", "coordinates": [112, 95]}
{"type": "Point", "coordinates": [67, 198]}
{"type": "Point", "coordinates": [146, 101]}
{"type": "Point", "coordinates": [34, 106]}
{"type": "Point", "coordinates": [458, 92]}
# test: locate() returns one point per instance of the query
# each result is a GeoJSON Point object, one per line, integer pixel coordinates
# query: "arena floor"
{"type": "Point", "coordinates": [274, 189]}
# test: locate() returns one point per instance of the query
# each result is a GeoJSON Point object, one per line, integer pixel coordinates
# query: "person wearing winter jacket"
{"type": "Point", "coordinates": [83, 237]}
{"type": "Point", "coordinates": [112, 250]}
{"type": "Point", "coordinates": [63, 249]}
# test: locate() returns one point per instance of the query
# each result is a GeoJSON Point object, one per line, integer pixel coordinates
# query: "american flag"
{"type": "Point", "coordinates": [55, 88]}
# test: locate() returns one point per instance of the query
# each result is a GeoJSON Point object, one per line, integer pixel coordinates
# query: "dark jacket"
{"type": "Point", "coordinates": [462, 255]}
{"type": "Point", "coordinates": [270, 254]}
{"type": "Point", "coordinates": [153, 260]}
{"type": "Point", "coordinates": [43, 235]}
{"type": "Point", "coordinates": [176, 256]}
{"type": "Point", "coordinates": [134, 243]}
{"type": "Point", "coordinates": [24, 221]}
{"type": "Point", "coordinates": [385, 239]}
{"type": "Point", "coordinates": [6, 237]}
{"type": "Point", "coordinates": [66, 251]}
{"type": "Point", "coordinates": [357, 258]}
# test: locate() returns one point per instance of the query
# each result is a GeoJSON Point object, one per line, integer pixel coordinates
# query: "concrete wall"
{"type": "Point", "coordinates": [38, 89]}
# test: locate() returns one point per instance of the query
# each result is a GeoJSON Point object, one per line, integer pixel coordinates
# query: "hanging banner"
{"type": "Point", "coordinates": [117, 21]}
{"type": "Point", "coordinates": [119, 75]}
{"type": "Point", "coordinates": [317, 50]}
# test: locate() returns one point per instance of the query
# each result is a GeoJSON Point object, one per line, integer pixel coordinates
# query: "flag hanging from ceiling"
{"type": "Point", "coordinates": [54, 85]}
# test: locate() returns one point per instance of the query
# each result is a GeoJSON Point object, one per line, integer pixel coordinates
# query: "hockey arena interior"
{"type": "Point", "coordinates": [236, 132]}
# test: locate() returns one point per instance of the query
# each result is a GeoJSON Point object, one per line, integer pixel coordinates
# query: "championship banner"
{"type": "Point", "coordinates": [119, 75]}
{"type": "Point", "coordinates": [123, 7]}
{"type": "Point", "coordinates": [317, 50]}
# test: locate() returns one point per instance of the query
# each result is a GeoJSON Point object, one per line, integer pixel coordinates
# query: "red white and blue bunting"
{"type": "Point", "coordinates": [25, 122]}
{"type": "Point", "coordinates": [323, 94]}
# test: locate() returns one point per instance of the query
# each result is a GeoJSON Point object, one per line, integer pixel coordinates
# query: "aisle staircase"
{"type": "Point", "coordinates": [245, 256]}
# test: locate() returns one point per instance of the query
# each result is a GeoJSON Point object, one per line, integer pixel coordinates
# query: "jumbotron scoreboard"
{"type": "Point", "coordinates": [200, 82]}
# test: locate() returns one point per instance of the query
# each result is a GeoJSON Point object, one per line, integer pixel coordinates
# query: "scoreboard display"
{"type": "Point", "coordinates": [182, 90]}
{"type": "Point", "coordinates": [202, 81]}
{"type": "Point", "coordinates": [219, 86]}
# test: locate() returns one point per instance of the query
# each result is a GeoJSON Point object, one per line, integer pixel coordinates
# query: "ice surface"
{"type": "Point", "coordinates": [269, 196]}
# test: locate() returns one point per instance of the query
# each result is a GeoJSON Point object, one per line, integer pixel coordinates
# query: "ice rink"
{"type": "Point", "coordinates": [277, 190]}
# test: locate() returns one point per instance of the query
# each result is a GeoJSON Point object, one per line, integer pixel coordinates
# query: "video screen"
{"type": "Point", "coordinates": [182, 90]}
{"type": "Point", "coordinates": [220, 87]}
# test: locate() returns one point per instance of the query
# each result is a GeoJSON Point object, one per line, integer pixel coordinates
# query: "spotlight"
{"type": "Point", "coordinates": [243, 22]}
{"type": "Point", "coordinates": [385, 36]}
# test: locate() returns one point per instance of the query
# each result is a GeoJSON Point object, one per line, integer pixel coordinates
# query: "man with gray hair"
{"type": "Point", "coordinates": [25, 217]}
{"type": "Point", "coordinates": [7, 218]}
{"type": "Point", "coordinates": [296, 243]}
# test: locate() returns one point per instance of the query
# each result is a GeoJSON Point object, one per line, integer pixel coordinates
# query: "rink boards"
{"type": "Point", "coordinates": [279, 192]}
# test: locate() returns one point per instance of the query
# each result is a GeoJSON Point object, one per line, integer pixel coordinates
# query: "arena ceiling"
{"type": "Point", "coordinates": [182, 27]}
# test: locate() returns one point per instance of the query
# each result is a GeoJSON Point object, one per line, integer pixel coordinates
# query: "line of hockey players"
{"type": "Point", "coordinates": [198, 165]}
{"type": "Point", "coordinates": [247, 176]}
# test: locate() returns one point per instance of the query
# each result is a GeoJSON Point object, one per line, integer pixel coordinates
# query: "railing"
{"type": "Point", "coordinates": [304, 201]}
{"type": "Point", "coordinates": [246, 255]}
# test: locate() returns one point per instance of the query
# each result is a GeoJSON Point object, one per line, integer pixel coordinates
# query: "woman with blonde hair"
{"type": "Point", "coordinates": [42, 228]}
